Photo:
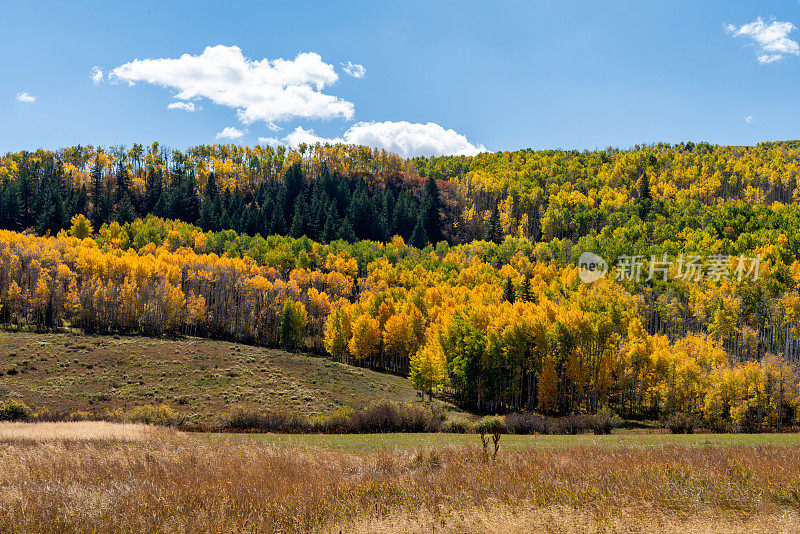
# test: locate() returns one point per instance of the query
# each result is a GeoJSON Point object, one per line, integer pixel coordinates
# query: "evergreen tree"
{"type": "Point", "coordinates": [265, 217]}
{"type": "Point", "coordinates": [418, 237]}
{"type": "Point", "coordinates": [403, 221]}
{"type": "Point", "coordinates": [346, 232]}
{"type": "Point", "coordinates": [360, 213]}
{"type": "Point", "coordinates": [494, 231]}
{"type": "Point", "coordinates": [123, 182]}
{"type": "Point", "coordinates": [51, 219]}
{"type": "Point", "coordinates": [297, 228]}
{"type": "Point", "coordinates": [430, 210]}
{"type": "Point", "coordinates": [96, 177]}
{"type": "Point", "coordinates": [124, 212]}
{"type": "Point", "coordinates": [526, 288]}
{"type": "Point", "coordinates": [26, 189]}
{"type": "Point", "coordinates": [645, 200]}
{"type": "Point", "coordinates": [278, 225]}
{"type": "Point", "coordinates": [509, 293]}
{"type": "Point", "coordinates": [106, 208]}
{"type": "Point", "coordinates": [153, 188]}
{"type": "Point", "coordinates": [330, 232]}
{"type": "Point", "coordinates": [10, 215]}
{"type": "Point", "coordinates": [77, 202]}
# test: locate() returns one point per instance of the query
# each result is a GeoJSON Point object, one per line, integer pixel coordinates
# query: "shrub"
{"type": "Point", "coordinates": [14, 411]}
{"type": "Point", "coordinates": [530, 423]}
{"type": "Point", "coordinates": [333, 423]}
{"type": "Point", "coordinates": [490, 424]}
{"type": "Point", "coordinates": [456, 425]}
{"type": "Point", "coordinates": [493, 425]}
{"type": "Point", "coordinates": [161, 415]}
{"type": "Point", "coordinates": [285, 422]}
{"type": "Point", "coordinates": [385, 416]}
{"type": "Point", "coordinates": [681, 423]}
{"type": "Point", "coordinates": [527, 423]}
{"type": "Point", "coordinates": [379, 417]}
{"type": "Point", "coordinates": [46, 414]}
{"type": "Point", "coordinates": [604, 421]}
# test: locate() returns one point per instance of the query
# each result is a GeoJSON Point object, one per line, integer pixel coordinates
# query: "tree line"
{"type": "Point", "coordinates": [494, 327]}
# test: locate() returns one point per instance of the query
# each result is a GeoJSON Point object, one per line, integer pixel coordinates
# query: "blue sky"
{"type": "Point", "coordinates": [502, 75]}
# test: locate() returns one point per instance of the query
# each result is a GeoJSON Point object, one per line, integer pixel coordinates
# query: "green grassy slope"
{"type": "Point", "coordinates": [199, 377]}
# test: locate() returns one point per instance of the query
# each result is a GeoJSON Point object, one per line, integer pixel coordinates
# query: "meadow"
{"type": "Point", "coordinates": [413, 441]}
{"type": "Point", "coordinates": [101, 477]}
{"type": "Point", "coordinates": [200, 378]}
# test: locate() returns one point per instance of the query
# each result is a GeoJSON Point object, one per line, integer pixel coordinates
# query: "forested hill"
{"type": "Point", "coordinates": [656, 194]}
{"type": "Point", "coordinates": [326, 249]}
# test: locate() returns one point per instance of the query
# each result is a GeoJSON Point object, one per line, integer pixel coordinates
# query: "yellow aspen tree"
{"type": "Point", "coordinates": [428, 367]}
{"type": "Point", "coordinates": [366, 337]}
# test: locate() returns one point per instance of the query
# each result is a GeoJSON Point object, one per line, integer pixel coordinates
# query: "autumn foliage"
{"type": "Point", "coordinates": [487, 308]}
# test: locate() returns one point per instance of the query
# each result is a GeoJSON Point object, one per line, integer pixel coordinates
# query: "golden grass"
{"type": "Point", "coordinates": [78, 431]}
{"type": "Point", "coordinates": [568, 520]}
{"type": "Point", "coordinates": [178, 483]}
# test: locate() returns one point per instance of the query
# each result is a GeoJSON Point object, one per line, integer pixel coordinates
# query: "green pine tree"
{"type": "Point", "coordinates": [418, 237]}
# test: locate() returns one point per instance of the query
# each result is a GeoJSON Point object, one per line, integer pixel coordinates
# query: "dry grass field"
{"type": "Point", "coordinates": [200, 378]}
{"type": "Point", "coordinates": [134, 479]}
{"type": "Point", "coordinates": [85, 431]}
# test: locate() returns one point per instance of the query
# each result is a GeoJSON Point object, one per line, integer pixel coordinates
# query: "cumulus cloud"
{"type": "Point", "coordinates": [97, 74]}
{"type": "Point", "coordinates": [771, 38]}
{"type": "Point", "coordinates": [270, 141]}
{"type": "Point", "coordinates": [404, 138]}
{"type": "Point", "coordinates": [260, 90]}
{"type": "Point", "coordinates": [230, 132]}
{"type": "Point", "coordinates": [181, 106]}
{"type": "Point", "coordinates": [26, 97]}
{"type": "Point", "coordinates": [355, 70]}
{"type": "Point", "coordinates": [301, 135]}
{"type": "Point", "coordinates": [411, 139]}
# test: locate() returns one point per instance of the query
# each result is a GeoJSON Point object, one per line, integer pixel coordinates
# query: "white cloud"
{"type": "Point", "coordinates": [97, 74]}
{"type": "Point", "coordinates": [260, 90]}
{"type": "Point", "coordinates": [301, 135]}
{"type": "Point", "coordinates": [355, 70]}
{"type": "Point", "coordinates": [768, 58]}
{"type": "Point", "coordinates": [230, 133]}
{"type": "Point", "coordinates": [181, 106]}
{"type": "Point", "coordinates": [770, 37]}
{"type": "Point", "coordinates": [269, 141]}
{"type": "Point", "coordinates": [26, 97]}
{"type": "Point", "coordinates": [748, 119]}
{"type": "Point", "coordinates": [404, 138]}
{"type": "Point", "coordinates": [411, 139]}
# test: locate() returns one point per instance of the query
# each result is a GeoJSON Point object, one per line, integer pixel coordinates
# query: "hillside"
{"type": "Point", "coordinates": [199, 377]}
{"type": "Point", "coordinates": [477, 293]}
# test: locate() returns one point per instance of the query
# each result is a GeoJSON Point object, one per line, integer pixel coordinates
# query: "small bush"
{"type": "Point", "coordinates": [379, 417]}
{"type": "Point", "coordinates": [285, 422]}
{"type": "Point", "coordinates": [605, 421]}
{"type": "Point", "coordinates": [385, 416]}
{"type": "Point", "coordinates": [456, 425]}
{"type": "Point", "coordinates": [161, 415]}
{"type": "Point", "coordinates": [527, 423]}
{"type": "Point", "coordinates": [49, 415]}
{"type": "Point", "coordinates": [681, 423]}
{"type": "Point", "coordinates": [14, 411]}
{"type": "Point", "coordinates": [530, 423]}
{"type": "Point", "coordinates": [332, 423]}
{"type": "Point", "coordinates": [490, 424]}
